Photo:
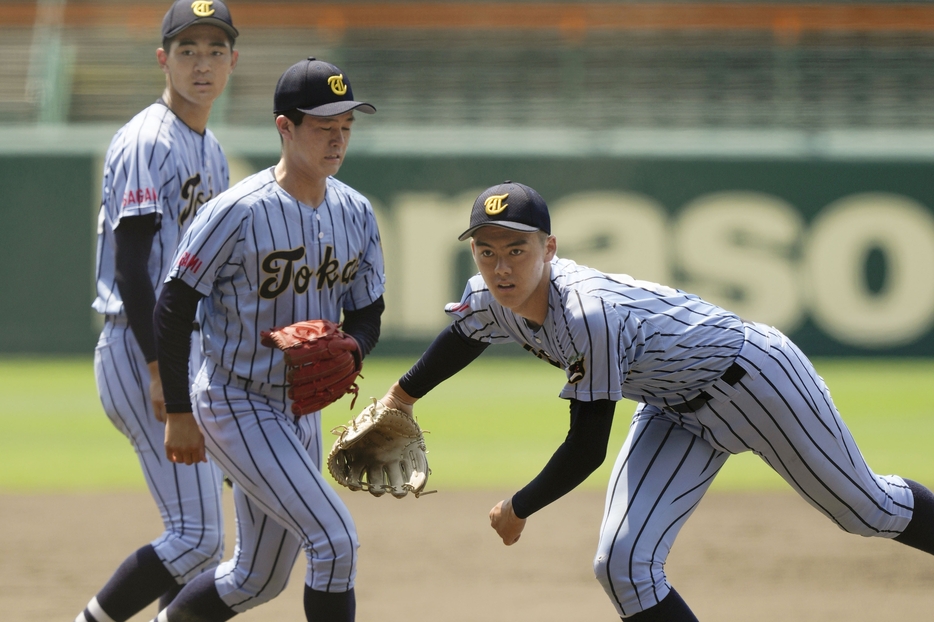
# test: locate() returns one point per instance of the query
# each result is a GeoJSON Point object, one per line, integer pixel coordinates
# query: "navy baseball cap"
{"type": "Point", "coordinates": [317, 88]}
{"type": "Point", "coordinates": [185, 13]}
{"type": "Point", "coordinates": [509, 205]}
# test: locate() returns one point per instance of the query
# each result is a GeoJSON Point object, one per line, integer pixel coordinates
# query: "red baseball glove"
{"type": "Point", "coordinates": [322, 363]}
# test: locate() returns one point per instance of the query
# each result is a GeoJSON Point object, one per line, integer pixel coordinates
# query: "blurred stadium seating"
{"type": "Point", "coordinates": [583, 65]}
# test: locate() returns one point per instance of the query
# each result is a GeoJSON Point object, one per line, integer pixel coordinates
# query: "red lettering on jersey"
{"type": "Point", "coordinates": [187, 260]}
{"type": "Point", "coordinates": [140, 196]}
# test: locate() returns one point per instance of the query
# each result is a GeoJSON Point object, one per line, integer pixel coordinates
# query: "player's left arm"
{"type": "Point", "coordinates": [174, 316]}
{"type": "Point", "coordinates": [364, 326]}
{"type": "Point", "coordinates": [449, 353]}
{"type": "Point", "coordinates": [369, 281]}
{"type": "Point", "coordinates": [581, 453]}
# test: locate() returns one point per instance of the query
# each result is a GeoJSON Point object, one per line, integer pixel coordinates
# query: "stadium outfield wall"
{"type": "Point", "coordinates": [829, 236]}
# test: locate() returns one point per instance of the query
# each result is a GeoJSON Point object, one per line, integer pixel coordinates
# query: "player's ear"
{"type": "Point", "coordinates": [162, 57]}
{"type": "Point", "coordinates": [284, 126]}
{"type": "Point", "coordinates": [234, 55]}
{"type": "Point", "coordinates": [551, 247]}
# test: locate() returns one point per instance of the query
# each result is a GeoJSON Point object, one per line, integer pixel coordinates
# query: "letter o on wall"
{"type": "Point", "coordinates": [841, 238]}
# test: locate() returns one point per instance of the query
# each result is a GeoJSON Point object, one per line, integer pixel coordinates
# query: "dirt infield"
{"type": "Point", "coordinates": [742, 557]}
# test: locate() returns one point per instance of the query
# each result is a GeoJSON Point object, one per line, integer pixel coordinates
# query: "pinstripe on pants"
{"type": "Point", "coordinates": [283, 501]}
{"type": "Point", "coordinates": [782, 411]}
{"type": "Point", "coordinates": [188, 497]}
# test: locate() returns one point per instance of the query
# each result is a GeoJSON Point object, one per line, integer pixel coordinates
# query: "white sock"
{"type": "Point", "coordinates": [95, 609]}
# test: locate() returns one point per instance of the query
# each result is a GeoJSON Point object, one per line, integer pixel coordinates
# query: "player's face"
{"type": "Point", "coordinates": [197, 65]}
{"type": "Point", "coordinates": [319, 144]}
{"type": "Point", "coordinates": [516, 266]}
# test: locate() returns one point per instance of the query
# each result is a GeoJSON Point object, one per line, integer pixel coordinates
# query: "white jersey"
{"type": "Point", "coordinates": [613, 335]}
{"type": "Point", "coordinates": [155, 165]}
{"type": "Point", "coordinates": [619, 337]}
{"type": "Point", "coordinates": [264, 260]}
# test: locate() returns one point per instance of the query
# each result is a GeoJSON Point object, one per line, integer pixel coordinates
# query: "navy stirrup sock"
{"type": "Point", "coordinates": [671, 609]}
{"type": "Point", "coordinates": [919, 533]}
{"type": "Point", "coordinates": [199, 602]}
{"type": "Point", "coordinates": [330, 606]}
{"type": "Point", "coordinates": [168, 596]}
{"type": "Point", "coordinates": [137, 582]}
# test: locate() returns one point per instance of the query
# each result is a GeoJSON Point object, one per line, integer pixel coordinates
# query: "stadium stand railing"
{"type": "Point", "coordinates": [590, 65]}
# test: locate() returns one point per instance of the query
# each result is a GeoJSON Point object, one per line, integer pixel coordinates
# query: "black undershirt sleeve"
{"type": "Point", "coordinates": [132, 247]}
{"type": "Point", "coordinates": [449, 353]}
{"type": "Point", "coordinates": [364, 325]}
{"type": "Point", "coordinates": [172, 324]}
{"type": "Point", "coordinates": [582, 452]}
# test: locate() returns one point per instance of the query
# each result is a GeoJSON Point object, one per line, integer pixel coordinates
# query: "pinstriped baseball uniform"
{"type": "Point", "coordinates": [261, 259]}
{"type": "Point", "coordinates": [618, 337]}
{"type": "Point", "coordinates": [157, 165]}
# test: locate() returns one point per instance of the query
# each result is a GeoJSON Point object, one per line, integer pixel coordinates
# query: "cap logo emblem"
{"type": "Point", "coordinates": [337, 84]}
{"type": "Point", "coordinates": [202, 8]}
{"type": "Point", "coordinates": [494, 205]}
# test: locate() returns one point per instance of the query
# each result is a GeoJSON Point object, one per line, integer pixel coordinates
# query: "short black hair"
{"type": "Point", "coordinates": [295, 116]}
{"type": "Point", "coordinates": [167, 41]}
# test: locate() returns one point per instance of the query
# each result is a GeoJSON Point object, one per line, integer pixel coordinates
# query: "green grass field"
{"type": "Point", "coordinates": [494, 425]}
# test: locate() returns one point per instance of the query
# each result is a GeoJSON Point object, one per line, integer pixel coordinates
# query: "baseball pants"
{"type": "Point", "coordinates": [283, 501]}
{"type": "Point", "coordinates": [188, 497]}
{"type": "Point", "coordinates": [782, 411]}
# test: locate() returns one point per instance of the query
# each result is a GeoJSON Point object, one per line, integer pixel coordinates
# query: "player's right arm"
{"type": "Point", "coordinates": [449, 353]}
{"type": "Point", "coordinates": [174, 316]}
{"type": "Point", "coordinates": [132, 246]}
{"type": "Point", "coordinates": [581, 453]}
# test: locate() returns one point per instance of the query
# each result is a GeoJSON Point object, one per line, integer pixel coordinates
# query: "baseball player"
{"type": "Point", "coordinates": [289, 243]}
{"type": "Point", "coordinates": [708, 385]}
{"type": "Point", "coordinates": [159, 169]}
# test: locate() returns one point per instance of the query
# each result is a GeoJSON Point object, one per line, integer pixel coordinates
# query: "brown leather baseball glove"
{"type": "Point", "coordinates": [322, 363]}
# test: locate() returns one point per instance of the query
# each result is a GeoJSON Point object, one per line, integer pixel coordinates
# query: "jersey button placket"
{"type": "Point", "coordinates": [313, 227]}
